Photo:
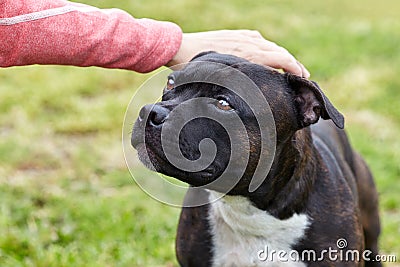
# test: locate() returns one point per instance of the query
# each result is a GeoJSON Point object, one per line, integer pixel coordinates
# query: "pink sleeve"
{"type": "Point", "coordinates": [67, 33]}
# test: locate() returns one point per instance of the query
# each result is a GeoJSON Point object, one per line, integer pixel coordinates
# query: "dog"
{"type": "Point", "coordinates": [318, 190]}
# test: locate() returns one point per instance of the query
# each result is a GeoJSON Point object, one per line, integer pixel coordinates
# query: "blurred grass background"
{"type": "Point", "coordinates": [66, 197]}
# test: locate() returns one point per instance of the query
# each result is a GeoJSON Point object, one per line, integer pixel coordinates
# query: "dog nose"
{"type": "Point", "coordinates": [154, 114]}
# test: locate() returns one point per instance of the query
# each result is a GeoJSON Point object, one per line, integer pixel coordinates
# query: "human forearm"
{"type": "Point", "coordinates": [67, 33]}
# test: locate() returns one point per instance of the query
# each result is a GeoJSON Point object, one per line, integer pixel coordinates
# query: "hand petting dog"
{"type": "Point", "coordinates": [242, 43]}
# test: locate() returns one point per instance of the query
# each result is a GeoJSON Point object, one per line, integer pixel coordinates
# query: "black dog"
{"type": "Point", "coordinates": [317, 191]}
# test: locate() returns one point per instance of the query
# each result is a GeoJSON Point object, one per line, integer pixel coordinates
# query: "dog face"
{"type": "Point", "coordinates": [192, 111]}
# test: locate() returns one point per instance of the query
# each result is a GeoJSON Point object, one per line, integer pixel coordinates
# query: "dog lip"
{"type": "Point", "coordinates": [150, 149]}
{"type": "Point", "coordinates": [137, 136]}
{"type": "Point", "coordinates": [136, 140]}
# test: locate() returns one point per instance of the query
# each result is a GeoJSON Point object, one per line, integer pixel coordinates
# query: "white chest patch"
{"type": "Point", "coordinates": [241, 231]}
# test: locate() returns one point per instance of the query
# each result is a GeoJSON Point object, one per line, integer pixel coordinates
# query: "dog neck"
{"type": "Point", "coordinates": [290, 179]}
{"type": "Point", "coordinates": [239, 230]}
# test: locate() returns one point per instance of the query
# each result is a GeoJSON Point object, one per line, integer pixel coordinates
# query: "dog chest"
{"type": "Point", "coordinates": [240, 232]}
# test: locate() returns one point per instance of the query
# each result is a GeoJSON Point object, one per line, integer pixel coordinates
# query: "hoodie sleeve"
{"type": "Point", "coordinates": [66, 33]}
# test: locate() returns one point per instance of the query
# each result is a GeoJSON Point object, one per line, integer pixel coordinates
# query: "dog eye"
{"type": "Point", "coordinates": [170, 84]}
{"type": "Point", "coordinates": [224, 105]}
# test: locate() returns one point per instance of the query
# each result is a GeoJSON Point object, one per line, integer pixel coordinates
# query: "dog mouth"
{"type": "Point", "coordinates": [152, 149]}
{"type": "Point", "coordinates": [153, 159]}
{"type": "Point", "coordinates": [149, 156]}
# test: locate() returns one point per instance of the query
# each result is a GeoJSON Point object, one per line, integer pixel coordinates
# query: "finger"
{"type": "Point", "coordinates": [253, 34]}
{"type": "Point", "coordinates": [306, 73]}
{"type": "Point", "coordinates": [267, 46]}
{"type": "Point", "coordinates": [284, 60]}
{"type": "Point", "coordinates": [277, 60]}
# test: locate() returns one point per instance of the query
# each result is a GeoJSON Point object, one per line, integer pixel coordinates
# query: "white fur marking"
{"type": "Point", "coordinates": [240, 230]}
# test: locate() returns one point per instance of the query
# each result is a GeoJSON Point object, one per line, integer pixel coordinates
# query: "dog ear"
{"type": "Point", "coordinates": [312, 103]}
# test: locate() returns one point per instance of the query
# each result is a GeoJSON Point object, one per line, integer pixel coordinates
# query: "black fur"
{"type": "Point", "coordinates": [315, 170]}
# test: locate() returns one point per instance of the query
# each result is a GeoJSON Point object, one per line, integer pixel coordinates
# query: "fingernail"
{"type": "Point", "coordinates": [306, 73]}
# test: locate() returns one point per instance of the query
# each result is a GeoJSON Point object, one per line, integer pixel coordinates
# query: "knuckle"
{"type": "Point", "coordinates": [257, 33]}
{"type": "Point", "coordinates": [254, 33]}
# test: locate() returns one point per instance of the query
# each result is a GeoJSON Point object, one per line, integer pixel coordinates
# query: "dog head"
{"type": "Point", "coordinates": [194, 109]}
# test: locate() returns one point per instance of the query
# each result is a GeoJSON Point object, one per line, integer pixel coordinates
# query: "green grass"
{"type": "Point", "coordinates": [67, 198]}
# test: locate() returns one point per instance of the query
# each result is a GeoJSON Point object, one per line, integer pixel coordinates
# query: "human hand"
{"type": "Point", "coordinates": [242, 43]}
